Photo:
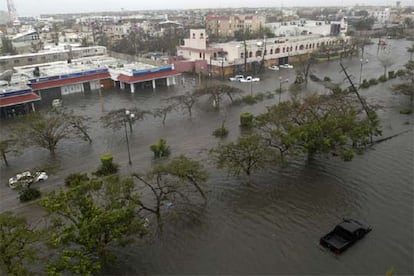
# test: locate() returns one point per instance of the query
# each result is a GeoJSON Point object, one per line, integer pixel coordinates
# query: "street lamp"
{"type": "Point", "coordinates": [360, 72]}
{"type": "Point", "coordinates": [101, 97]}
{"type": "Point", "coordinates": [280, 87]}
{"type": "Point", "coordinates": [129, 117]}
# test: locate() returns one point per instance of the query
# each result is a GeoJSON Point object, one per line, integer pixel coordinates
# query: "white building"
{"type": "Point", "coordinates": [232, 54]}
{"type": "Point", "coordinates": [305, 27]}
{"type": "Point", "coordinates": [382, 16]}
{"type": "Point", "coordinates": [25, 41]}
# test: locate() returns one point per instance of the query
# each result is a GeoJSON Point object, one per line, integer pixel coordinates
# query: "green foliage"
{"type": "Point", "coordinates": [7, 47]}
{"type": "Point", "coordinates": [28, 194]}
{"type": "Point", "coordinates": [326, 78]}
{"type": "Point", "coordinates": [392, 75]}
{"type": "Point", "coordinates": [47, 129]}
{"type": "Point", "coordinates": [320, 124]}
{"type": "Point", "coordinates": [8, 146]}
{"type": "Point", "coordinates": [400, 72]}
{"type": "Point", "coordinates": [216, 93]}
{"type": "Point", "coordinates": [365, 84]}
{"type": "Point", "coordinates": [246, 120]}
{"type": "Point", "coordinates": [373, 81]}
{"type": "Point", "coordinates": [160, 149]}
{"type": "Point", "coordinates": [406, 111]}
{"type": "Point", "coordinates": [220, 132]}
{"type": "Point", "coordinates": [17, 242]}
{"type": "Point", "coordinates": [107, 166]}
{"type": "Point", "coordinates": [382, 78]}
{"type": "Point", "coordinates": [248, 154]}
{"type": "Point", "coordinates": [88, 221]}
{"type": "Point", "coordinates": [75, 179]}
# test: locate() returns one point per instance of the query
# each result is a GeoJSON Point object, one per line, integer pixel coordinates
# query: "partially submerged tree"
{"type": "Point", "coordinates": [89, 220]}
{"type": "Point", "coordinates": [407, 88]}
{"type": "Point", "coordinates": [116, 119]}
{"type": "Point", "coordinates": [386, 61]}
{"type": "Point", "coordinates": [172, 183]}
{"type": "Point", "coordinates": [247, 154]}
{"type": "Point", "coordinates": [8, 146]}
{"type": "Point", "coordinates": [47, 129]}
{"type": "Point", "coordinates": [163, 111]}
{"type": "Point", "coordinates": [319, 124]}
{"type": "Point", "coordinates": [217, 91]}
{"type": "Point", "coordinates": [186, 101]}
{"type": "Point", "coordinates": [17, 244]}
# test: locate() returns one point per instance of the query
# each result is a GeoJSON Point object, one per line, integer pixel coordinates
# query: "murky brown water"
{"type": "Point", "coordinates": [273, 224]}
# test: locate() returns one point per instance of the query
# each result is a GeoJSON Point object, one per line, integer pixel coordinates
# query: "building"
{"type": "Point", "coordinates": [226, 26]}
{"type": "Point", "coordinates": [24, 42]}
{"type": "Point", "coordinates": [52, 55]}
{"type": "Point", "coordinates": [229, 58]}
{"type": "Point", "coordinates": [381, 16]}
{"type": "Point", "coordinates": [305, 27]}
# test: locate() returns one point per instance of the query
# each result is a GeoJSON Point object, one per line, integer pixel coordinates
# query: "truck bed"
{"type": "Point", "coordinates": [335, 241]}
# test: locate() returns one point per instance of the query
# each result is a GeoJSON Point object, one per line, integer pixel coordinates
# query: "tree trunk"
{"type": "Point", "coordinates": [3, 154]}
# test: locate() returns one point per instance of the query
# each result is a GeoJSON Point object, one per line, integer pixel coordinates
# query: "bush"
{"type": "Point", "coordinates": [314, 78]}
{"type": "Point", "coordinates": [160, 149]}
{"type": "Point", "coordinates": [382, 78]}
{"type": "Point", "coordinates": [373, 82]}
{"type": "Point", "coordinates": [246, 119]}
{"type": "Point", "coordinates": [249, 99]}
{"type": "Point", "coordinates": [365, 84]}
{"type": "Point", "coordinates": [75, 179]}
{"type": "Point", "coordinates": [406, 111]}
{"type": "Point", "coordinates": [326, 78]}
{"type": "Point", "coordinates": [29, 194]}
{"type": "Point", "coordinates": [221, 132]}
{"type": "Point", "coordinates": [400, 72]}
{"type": "Point", "coordinates": [391, 75]}
{"type": "Point", "coordinates": [107, 167]}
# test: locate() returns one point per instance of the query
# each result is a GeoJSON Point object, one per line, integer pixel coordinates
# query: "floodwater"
{"type": "Point", "coordinates": [272, 224]}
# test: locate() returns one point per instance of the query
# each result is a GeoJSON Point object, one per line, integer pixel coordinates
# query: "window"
{"type": "Point", "coordinates": [291, 48]}
{"type": "Point", "coordinates": [242, 55]}
{"type": "Point", "coordinates": [250, 54]}
{"type": "Point", "coordinates": [277, 51]}
{"type": "Point", "coordinates": [283, 50]}
{"type": "Point", "coordinates": [301, 47]}
{"type": "Point", "coordinates": [201, 35]}
{"type": "Point", "coordinates": [29, 59]}
{"type": "Point", "coordinates": [194, 36]}
{"type": "Point", "coordinates": [296, 47]}
{"type": "Point", "coordinates": [271, 51]}
{"type": "Point", "coordinates": [16, 61]}
{"type": "Point", "coordinates": [200, 55]}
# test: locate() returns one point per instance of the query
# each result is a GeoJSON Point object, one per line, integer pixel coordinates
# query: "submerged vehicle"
{"type": "Point", "coordinates": [249, 79]}
{"type": "Point", "coordinates": [236, 78]}
{"type": "Point", "coordinates": [344, 235]}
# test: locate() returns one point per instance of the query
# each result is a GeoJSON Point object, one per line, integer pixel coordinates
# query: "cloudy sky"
{"type": "Point", "coordinates": [37, 7]}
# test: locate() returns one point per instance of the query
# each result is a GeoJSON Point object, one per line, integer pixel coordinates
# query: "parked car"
{"type": "Point", "coordinates": [25, 179]}
{"type": "Point", "coordinates": [274, 68]}
{"type": "Point", "coordinates": [286, 66]}
{"type": "Point", "coordinates": [236, 78]}
{"type": "Point", "coordinates": [21, 179]}
{"type": "Point", "coordinates": [249, 79]}
{"type": "Point", "coordinates": [344, 235]}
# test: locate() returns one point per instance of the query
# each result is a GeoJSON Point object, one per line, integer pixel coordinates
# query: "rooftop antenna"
{"type": "Point", "coordinates": [12, 10]}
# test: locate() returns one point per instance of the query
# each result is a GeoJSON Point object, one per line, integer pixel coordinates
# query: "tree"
{"type": "Point", "coordinates": [7, 47]}
{"type": "Point", "coordinates": [89, 220]}
{"type": "Point", "coordinates": [186, 101]}
{"type": "Point", "coordinates": [407, 88]}
{"type": "Point", "coordinates": [55, 33]}
{"type": "Point", "coordinates": [47, 129]}
{"type": "Point", "coordinates": [163, 112]}
{"type": "Point", "coordinates": [216, 92]}
{"type": "Point", "coordinates": [410, 50]}
{"type": "Point", "coordinates": [386, 61]}
{"type": "Point", "coordinates": [248, 154]}
{"type": "Point", "coordinates": [304, 65]}
{"type": "Point", "coordinates": [319, 124]}
{"type": "Point", "coordinates": [17, 244]}
{"type": "Point", "coordinates": [6, 147]}
{"type": "Point", "coordinates": [361, 43]}
{"type": "Point", "coordinates": [170, 182]}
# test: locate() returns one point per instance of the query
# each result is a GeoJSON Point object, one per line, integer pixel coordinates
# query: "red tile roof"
{"type": "Point", "coordinates": [26, 98]}
{"type": "Point", "coordinates": [148, 77]}
{"type": "Point", "coordinates": [63, 82]}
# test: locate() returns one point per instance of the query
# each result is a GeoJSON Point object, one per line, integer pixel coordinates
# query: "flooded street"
{"type": "Point", "coordinates": [273, 224]}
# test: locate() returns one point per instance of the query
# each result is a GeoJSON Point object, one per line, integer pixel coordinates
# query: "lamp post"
{"type": "Point", "coordinates": [360, 72]}
{"type": "Point", "coordinates": [129, 117]}
{"type": "Point", "coordinates": [101, 97]}
{"type": "Point", "coordinates": [280, 86]}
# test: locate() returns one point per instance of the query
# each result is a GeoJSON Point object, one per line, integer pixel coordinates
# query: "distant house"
{"type": "Point", "coordinates": [24, 42]}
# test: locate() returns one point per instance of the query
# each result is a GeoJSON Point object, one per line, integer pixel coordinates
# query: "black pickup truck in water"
{"type": "Point", "coordinates": [344, 235]}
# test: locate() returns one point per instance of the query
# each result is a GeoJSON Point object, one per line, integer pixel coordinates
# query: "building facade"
{"type": "Point", "coordinates": [226, 26]}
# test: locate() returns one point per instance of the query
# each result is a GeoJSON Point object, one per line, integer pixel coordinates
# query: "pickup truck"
{"type": "Point", "coordinates": [249, 79]}
{"type": "Point", "coordinates": [344, 235]}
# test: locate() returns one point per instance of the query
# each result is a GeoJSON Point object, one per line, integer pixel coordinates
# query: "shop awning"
{"type": "Point", "coordinates": [26, 98]}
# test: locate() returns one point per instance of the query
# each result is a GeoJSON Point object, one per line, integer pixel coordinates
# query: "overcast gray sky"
{"type": "Point", "coordinates": [37, 7]}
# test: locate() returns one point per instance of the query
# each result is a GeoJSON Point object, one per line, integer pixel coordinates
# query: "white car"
{"type": "Point", "coordinates": [286, 66]}
{"type": "Point", "coordinates": [274, 68]}
{"type": "Point", "coordinates": [236, 78]}
{"type": "Point", "coordinates": [57, 103]}
{"type": "Point", "coordinates": [249, 79]}
{"type": "Point", "coordinates": [25, 179]}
